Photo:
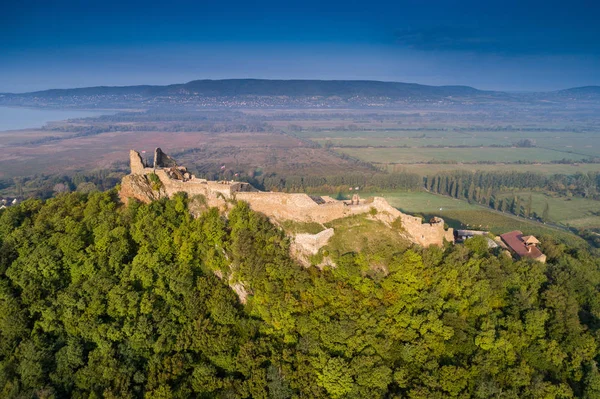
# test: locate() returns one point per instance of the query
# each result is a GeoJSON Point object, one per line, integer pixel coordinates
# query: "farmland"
{"type": "Point", "coordinates": [586, 143]}
{"type": "Point", "coordinates": [460, 145]}
{"type": "Point", "coordinates": [472, 155]}
{"type": "Point", "coordinates": [428, 148]}
{"type": "Point", "coordinates": [541, 168]}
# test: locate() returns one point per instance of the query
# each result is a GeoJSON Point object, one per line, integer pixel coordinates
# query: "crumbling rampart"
{"type": "Point", "coordinates": [165, 179]}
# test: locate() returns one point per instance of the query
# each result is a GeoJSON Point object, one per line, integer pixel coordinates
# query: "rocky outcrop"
{"type": "Point", "coordinates": [311, 243]}
{"type": "Point", "coordinates": [304, 245]}
{"type": "Point", "coordinates": [240, 291]}
{"type": "Point", "coordinates": [139, 187]}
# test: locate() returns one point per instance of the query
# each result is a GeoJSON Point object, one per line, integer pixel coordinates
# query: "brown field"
{"type": "Point", "coordinates": [16, 137]}
{"type": "Point", "coordinates": [273, 152]}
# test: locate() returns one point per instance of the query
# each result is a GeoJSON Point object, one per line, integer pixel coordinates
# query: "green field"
{"type": "Point", "coordinates": [575, 212]}
{"type": "Point", "coordinates": [484, 154]}
{"type": "Point", "coordinates": [421, 202]}
{"type": "Point", "coordinates": [408, 141]}
{"type": "Point", "coordinates": [499, 223]}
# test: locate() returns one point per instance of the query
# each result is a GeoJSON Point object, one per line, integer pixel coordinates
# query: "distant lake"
{"type": "Point", "coordinates": [29, 118]}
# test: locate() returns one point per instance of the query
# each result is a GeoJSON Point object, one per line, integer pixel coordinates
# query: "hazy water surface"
{"type": "Point", "coordinates": [27, 118]}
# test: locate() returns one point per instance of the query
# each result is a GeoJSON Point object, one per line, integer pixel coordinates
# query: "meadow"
{"type": "Point", "coordinates": [202, 151]}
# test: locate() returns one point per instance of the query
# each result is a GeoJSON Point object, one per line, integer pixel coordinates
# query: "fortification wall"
{"type": "Point", "coordinates": [297, 207]}
{"type": "Point", "coordinates": [424, 234]}
{"type": "Point", "coordinates": [281, 206]}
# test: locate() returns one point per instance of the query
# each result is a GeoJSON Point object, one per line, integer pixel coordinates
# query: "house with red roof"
{"type": "Point", "coordinates": [523, 246]}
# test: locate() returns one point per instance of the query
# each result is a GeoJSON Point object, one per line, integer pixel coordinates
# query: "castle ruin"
{"type": "Point", "coordinates": [279, 206]}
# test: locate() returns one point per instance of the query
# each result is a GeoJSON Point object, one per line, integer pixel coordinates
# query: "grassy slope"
{"type": "Point", "coordinates": [370, 237]}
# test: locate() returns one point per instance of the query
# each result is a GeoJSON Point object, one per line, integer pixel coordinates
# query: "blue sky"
{"type": "Point", "coordinates": [505, 45]}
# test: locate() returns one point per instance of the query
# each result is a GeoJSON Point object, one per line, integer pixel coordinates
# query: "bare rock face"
{"type": "Point", "coordinates": [311, 243]}
{"type": "Point", "coordinates": [241, 291]}
{"type": "Point", "coordinates": [304, 245]}
{"type": "Point", "coordinates": [138, 187]}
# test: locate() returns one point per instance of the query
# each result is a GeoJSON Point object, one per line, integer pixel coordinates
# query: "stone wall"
{"type": "Point", "coordinates": [136, 163]}
{"type": "Point", "coordinates": [162, 160]}
{"type": "Point", "coordinates": [280, 206]}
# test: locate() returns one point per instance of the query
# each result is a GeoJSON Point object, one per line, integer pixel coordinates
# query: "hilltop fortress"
{"type": "Point", "coordinates": [165, 178]}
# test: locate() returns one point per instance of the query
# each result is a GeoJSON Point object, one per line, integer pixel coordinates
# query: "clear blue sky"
{"type": "Point", "coordinates": [507, 45]}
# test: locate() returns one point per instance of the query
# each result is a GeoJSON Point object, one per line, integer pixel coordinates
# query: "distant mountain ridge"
{"type": "Point", "coordinates": [589, 92]}
{"type": "Point", "coordinates": [266, 87]}
{"type": "Point", "coordinates": [286, 92]}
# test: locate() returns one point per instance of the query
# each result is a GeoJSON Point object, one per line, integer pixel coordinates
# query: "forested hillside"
{"type": "Point", "coordinates": [102, 300]}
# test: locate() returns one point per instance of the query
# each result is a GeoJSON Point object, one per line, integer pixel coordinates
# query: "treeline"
{"type": "Point", "coordinates": [100, 300]}
{"type": "Point", "coordinates": [211, 127]}
{"type": "Point", "coordinates": [174, 114]}
{"type": "Point", "coordinates": [327, 184]}
{"type": "Point", "coordinates": [46, 186]}
{"type": "Point", "coordinates": [481, 186]}
{"type": "Point", "coordinates": [335, 184]}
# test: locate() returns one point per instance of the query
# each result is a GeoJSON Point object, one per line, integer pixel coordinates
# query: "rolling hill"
{"type": "Point", "coordinates": [357, 92]}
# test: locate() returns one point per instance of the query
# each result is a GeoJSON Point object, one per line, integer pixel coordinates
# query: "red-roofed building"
{"type": "Point", "coordinates": [523, 246]}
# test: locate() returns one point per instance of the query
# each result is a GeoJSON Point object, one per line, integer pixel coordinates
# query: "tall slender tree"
{"type": "Point", "coordinates": [528, 206]}
{"type": "Point", "coordinates": [546, 213]}
{"type": "Point", "coordinates": [517, 206]}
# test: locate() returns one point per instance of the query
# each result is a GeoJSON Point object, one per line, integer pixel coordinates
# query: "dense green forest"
{"type": "Point", "coordinates": [102, 300]}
